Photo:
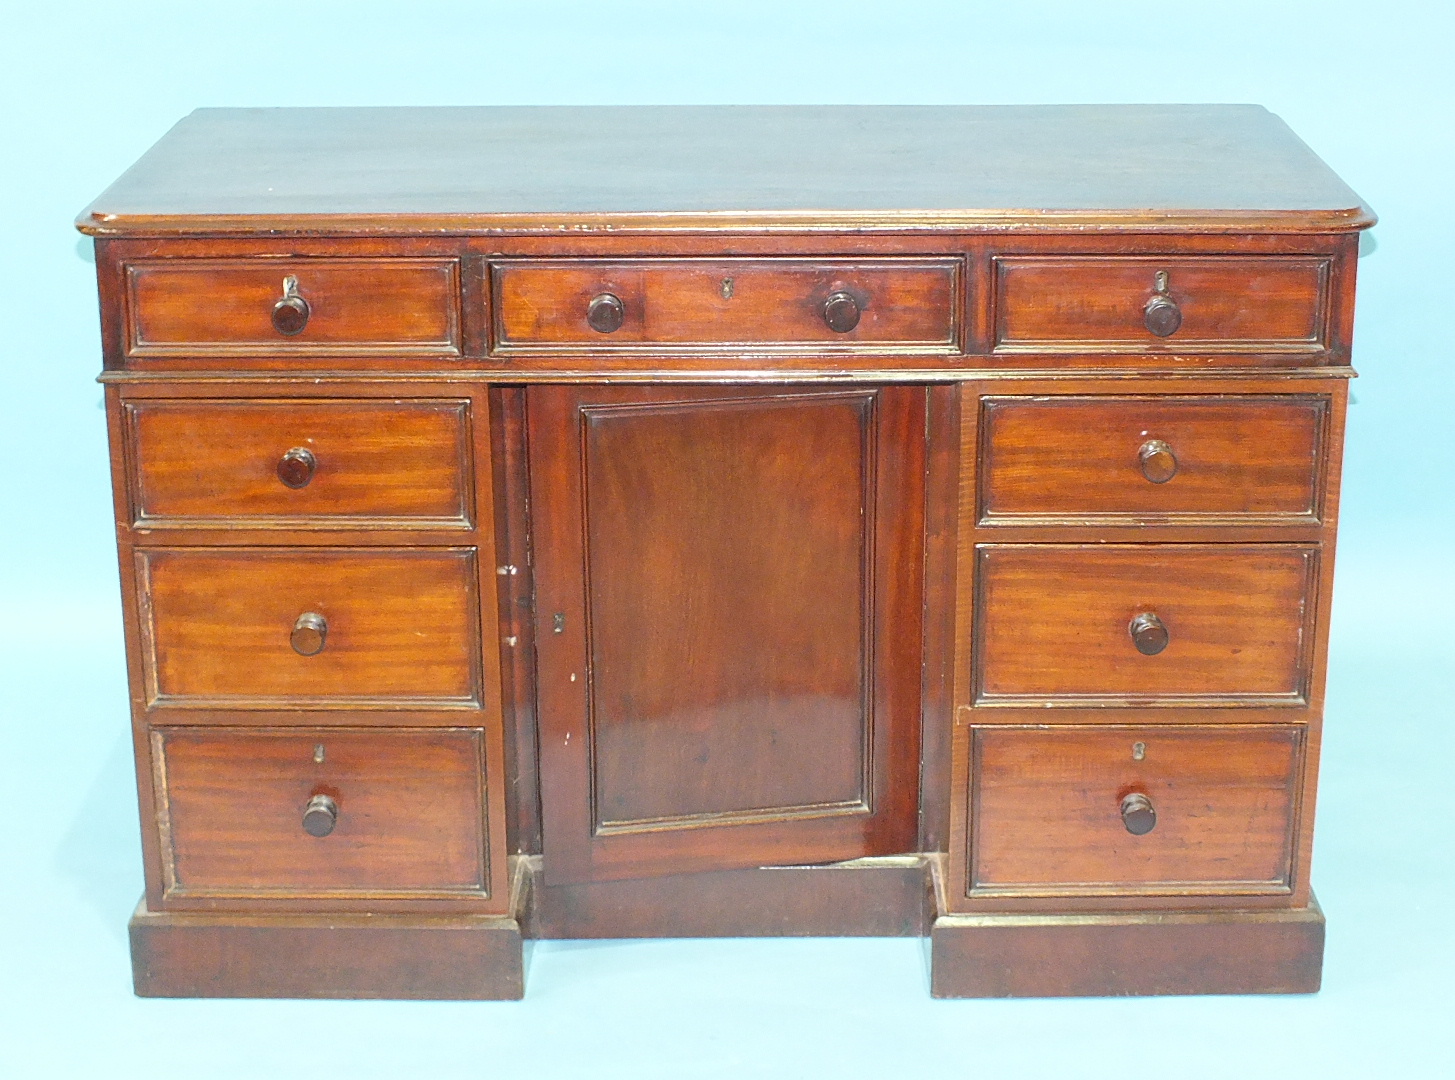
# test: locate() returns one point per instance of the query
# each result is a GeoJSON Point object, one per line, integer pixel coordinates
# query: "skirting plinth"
{"type": "Point", "coordinates": [454, 957]}
{"type": "Point", "coordinates": [1275, 951]}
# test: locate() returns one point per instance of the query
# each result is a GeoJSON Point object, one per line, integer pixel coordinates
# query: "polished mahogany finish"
{"type": "Point", "coordinates": [727, 520]}
{"type": "Point", "coordinates": [664, 304]}
{"type": "Point", "coordinates": [1069, 810]}
{"type": "Point", "coordinates": [1116, 624]}
{"type": "Point", "coordinates": [392, 814]}
{"type": "Point", "coordinates": [1211, 303]}
{"type": "Point", "coordinates": [338, 306]}
{"type": "Point", "coordinates": [1058, 458]}
{"type": "Point", "coordinates": [218, 462]}
{"type": "Point", "coordinates": [1262, 951]}
{"type": "Point", "coordinates": [359, 955]}
{"type": "Point", "coordinates": [726, 583]}
{"type": "Point", "coordinates": [246, 627]}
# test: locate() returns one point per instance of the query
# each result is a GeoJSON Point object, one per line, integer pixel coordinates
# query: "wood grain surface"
{"type": "Point", "coordinates": [727, 626]}
{"type": "Point", "coordinates": [675, 302]}
{"type": "Point", "coordinates": [403, 627]}
{"type": "Point", "coordinates": [364, 955]}
{"type": "Point", "coordinates": [214, 463]}
{"type": "Point", "coordinates": [1277, 951]}
{"type": "Point", "coordinates": [1052, 623]}
{"type": "Point", "coordinates": [1074, 460]}
{"type": "Point", "coordinates": [1089, 303]}
{"type": "Point", "coordinates": [177, 307]}
{"type": "Point", "coordinates": [410, 170]}
{"type": "Point", "coordinates": [1045, 815]}
{"type": "Point", "coordinates": [411, 814]}
{"type": "Point", "coordinates": [787, 618]}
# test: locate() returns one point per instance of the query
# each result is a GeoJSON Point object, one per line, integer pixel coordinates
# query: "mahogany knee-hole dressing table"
{"type": "Point", "coordinates": [610, 522]}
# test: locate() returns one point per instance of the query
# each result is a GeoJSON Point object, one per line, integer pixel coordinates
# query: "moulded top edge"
{"type": "Point", "coordinates": [96, 223]}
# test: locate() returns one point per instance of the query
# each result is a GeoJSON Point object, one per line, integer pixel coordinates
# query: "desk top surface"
{"type": "Point", "coordinates": [655, 168]}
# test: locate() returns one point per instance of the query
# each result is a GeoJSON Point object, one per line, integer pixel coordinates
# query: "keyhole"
{"type": "Point", "coordinates": [318, 753]}
{"type": "Point", "coordinates": [727, 288]}
{"type": "Point", "coordinates": [558, 623]}
{"type": "Point", "coordinates": [1139, 751]}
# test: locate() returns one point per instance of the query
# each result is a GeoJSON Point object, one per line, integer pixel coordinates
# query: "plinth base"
{"type": "Point", "coordinates": [456, 957]}
{"type": "Point", "coordinates": [1222, 952]}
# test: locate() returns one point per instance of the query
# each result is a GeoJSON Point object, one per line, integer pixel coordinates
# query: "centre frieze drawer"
{"type": "Point", "coordinates": [903, 304]}
{"type": "Point", "coordinates": [310, 627]}
{"type": "Point", "coordinates": [1143, 624]}
{"type": "Point", "coordinates": [323, 813]}
{"type": "Point", "coordinates": [1132, 811]}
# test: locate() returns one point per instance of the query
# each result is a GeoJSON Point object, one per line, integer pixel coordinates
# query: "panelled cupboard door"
{"type": "Point", "coordinates": [728, 626]}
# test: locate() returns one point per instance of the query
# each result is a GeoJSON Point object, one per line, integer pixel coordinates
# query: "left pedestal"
{"type": "Point", "coordinates": [449, 957]}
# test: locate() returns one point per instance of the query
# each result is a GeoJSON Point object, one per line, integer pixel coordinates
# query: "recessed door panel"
{"type": "Point", "coordinates": [728, 627]}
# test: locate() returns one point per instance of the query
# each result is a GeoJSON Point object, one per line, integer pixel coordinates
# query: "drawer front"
{"type": "Point", "coordinates": [1054, 810]}
{"type": "Point", "coordinates": [904, 304]}
{"type": "Point", "coordinates": [1221, 303]}
{"type": "Point", "coordinates": [291, 463]}
{"type": "Point", "coordinates": [239, 628]}
{"type": "Point", "coordinates": [1067, 625]}
{"type": "Point", "coordinates": [400, 812]}
{"type": "Point", "coordinates": [354, 307]}
{"type": "Point", "coordinates": [1129, 460]}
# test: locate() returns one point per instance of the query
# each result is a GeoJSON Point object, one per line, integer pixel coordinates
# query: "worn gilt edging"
{"type": "Point", "coordinates": [819, 221]}
{"type": "Point", "coordinates": [504, 377]}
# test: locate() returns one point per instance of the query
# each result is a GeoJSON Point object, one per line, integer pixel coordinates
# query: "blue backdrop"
{"type": "Point", "coordinates": [85, 88]}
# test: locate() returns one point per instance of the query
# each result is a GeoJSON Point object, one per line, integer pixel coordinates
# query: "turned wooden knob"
{"type": "Point", "coordinates": [309, 634]}
{"type": "Point", "coordinates": [1138, 814]}
{"type": "Point", "coordinates": [1149, 634]}
{"type": "Point", "coordinates": [605, 313]}
{"type": "Point", "coordinates": [841, 312]}
{"type": "Point", "coordinates": [321, 815]}
{"type": "Point", "coordinates": [1159, 463]}
{"type": "Point", "coordinates": [295, 468]}
{"type": "Point", "coordinates": [1162, 316]}
{"type": "Point", "coordinates": [290, 313]}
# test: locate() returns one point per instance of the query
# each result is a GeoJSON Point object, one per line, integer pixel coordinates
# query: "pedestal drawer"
{"type": "Point", "coordinates": [299, 463]}
{"type": "Point", "coordinates": [325, 813]}
{"type": "Point", "coordinates": [310, 627]}
{"type": "Point", "coordinates": [1151, 460]}
{"type": "Point", "coordinates": [1143, 624]}
{"type": "Point", "coordinates": [1132, 811]}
